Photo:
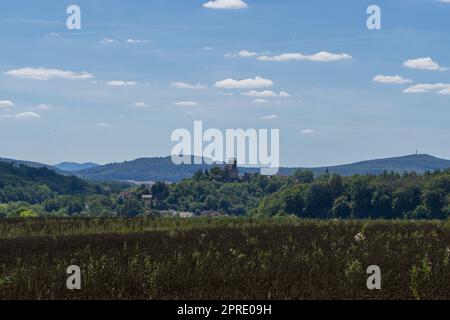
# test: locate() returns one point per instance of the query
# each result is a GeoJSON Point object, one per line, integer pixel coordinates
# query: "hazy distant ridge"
{"type": "Point", "coordinates": [73, 166]}
{"type": "Point", "coordinates": [154, 169]}
{"type": "Point", "coordinates": [162, 169]}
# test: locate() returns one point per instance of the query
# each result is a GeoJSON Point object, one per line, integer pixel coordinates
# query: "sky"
{"type": "Point", "coordinates": [137, 70]}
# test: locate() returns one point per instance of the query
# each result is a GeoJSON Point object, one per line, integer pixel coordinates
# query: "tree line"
{"type": "Point", "coordinates": [30, 192]}
{"type": "Point", "coordinates": [327, 196]}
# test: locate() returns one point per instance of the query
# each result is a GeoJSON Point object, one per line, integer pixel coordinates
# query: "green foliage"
{"type": "Point", "coordinates": [341, 208]}
{"type": "Point", "coordinates": [28, 214]}
{"type": "Point", "coordinates": [160, 191]}
{"type": "Point", "coordinates": [45, 192]}
{"type": "Point", "coordinates": [385, 196]}
{"type": "Point", "coordinates": [212, 191]}
{"type": "Point", "coordinates": [304, 176]}
{"type": "Point", "coordinates": [131, 208]}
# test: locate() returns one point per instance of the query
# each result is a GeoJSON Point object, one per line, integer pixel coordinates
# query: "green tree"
{"type": "Point", "coordinates": [304, 176]}
{"type": "Point", "coordinates": [318, 201]}
{"type": "Point", "coordinates": [294, 201]}
{"type": "Point", "coordinates": [434, 200]}
{"type": "Point", "coordinates": [131, 208]}
{"type": "Point", "coordinates": [28, 214]}
{"type": "Point", "coordinates": [160, 191]}
{"type": "Point", "coordinates": [341, 208]}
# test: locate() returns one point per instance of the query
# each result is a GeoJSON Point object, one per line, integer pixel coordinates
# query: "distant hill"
{"type": "Point", "coordinates": [162, 169]}
{"type": "Point", "coordinates": [143, 169]}
{"type": "Point", "coordinates": [74, 166]}
{"type": "Point", "coordinates": [31, 164]}
{"type": "Point", "coordinates": [412, 163]}
{"type": "Point", "coordinates": [19, 182]}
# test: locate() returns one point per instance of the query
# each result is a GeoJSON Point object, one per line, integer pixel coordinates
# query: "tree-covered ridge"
{"type": "Point", "coordinates": [387, 196]}
{"type": "Point", "coordinates": [33, 185]}
{"type": "Point", "coordinates": [163, 169]}
{"type": "Point", "coordinates": [28, 192]}
{"type": "Point", "coordinates": [211, 191]}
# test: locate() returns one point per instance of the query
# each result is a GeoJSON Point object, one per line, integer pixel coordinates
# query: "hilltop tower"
{"type": "Point", "coordinates": [231, 170]}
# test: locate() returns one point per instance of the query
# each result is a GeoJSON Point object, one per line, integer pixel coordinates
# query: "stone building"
{"type": "Point", "coordinates": [231, 170]}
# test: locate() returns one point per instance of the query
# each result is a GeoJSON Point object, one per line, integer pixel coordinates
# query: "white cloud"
{"type": "Point", "coordinates": [208, 48]}
{"type": "Point", "coordinates": [265, 94]}
{"type": "Point", "coordinates": [322, 56]}
{"type": "Point", "coordinates": [260, 101]}
{"type": "Point", "coordinates": [103, 125]}
{"type": "Point", "coordinates": [26, 115]}
{"type": "Point", "coordinates": [242, 54]}
{"type": "Point", "coordinates": [307, 131]}
{"type": "Point", "coordinates": [391, 79]}
{"type": "Point", "coordinates": [43, 107]}
{"type": "Point", "coordinates": [269, 117]}
{"type": "Point", "coordinates": [428, 87]}
{"type": "Point", "coordinates": [183, 85]}
{"type": "Point", "coordinates": [141, 105]}
{"type": "Point", "coordinates": [136, 41]}
{"type": "Point", "coordinates": [423, 64]}
{"type": "Point", "coordinates": [446, 91]}
{"type": "Point", "coordinates": [51, 34]}
{"type": "Point", "coordinates": [260, 94]}
{"type": "Point", "coordinates": [225, 4]}
{"type": "Point", "coordinates": [121, 83]}
{"type": "Point", "coordinates": [6, 104]}
{"type": "Point", "coordinates": [47, 74]}
{"type": "Point", "coordinates": [255, 83]}
{"type": "Point", "coordinates": [186, 104]}
{"type": "Point", "coordinates": [247, 54]}
{"type": "Point", "coordinates": [108, 41]}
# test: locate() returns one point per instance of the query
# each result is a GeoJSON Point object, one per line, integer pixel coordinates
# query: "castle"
{"type": "Point", "coordinates": [231, 170]}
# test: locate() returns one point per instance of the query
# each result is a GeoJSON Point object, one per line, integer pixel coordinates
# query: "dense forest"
{"type": "Point", "coordinates": [163, 169]}
{"type": "Point", "coordinates": [387, 196]}
{"type": "Point", "coordinates": [31, 192]}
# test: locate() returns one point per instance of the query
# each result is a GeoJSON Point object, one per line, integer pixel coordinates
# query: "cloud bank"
{"type": "Point", "coordinates": [225, 4]}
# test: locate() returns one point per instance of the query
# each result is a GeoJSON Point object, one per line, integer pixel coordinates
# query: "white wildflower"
{"type": "Point", "coordinates": [360, 237]}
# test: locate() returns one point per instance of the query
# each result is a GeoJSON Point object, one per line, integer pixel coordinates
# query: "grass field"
{"type": "Point", "coordinates": [284, 258]}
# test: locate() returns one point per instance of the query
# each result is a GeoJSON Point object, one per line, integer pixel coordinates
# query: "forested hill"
{"type": "Point", "coordinates": [74, 166]}
{"type": "Point", "coordinates": [31, 164]}
{"type": "Point", "coordinates": [162, 169]}
{"type": "Point", "coordinates": [144, 169]}
{"type": "Point", "coordinates": [413, 163]}
{"type": "Point", "coordinates": [33, 185]}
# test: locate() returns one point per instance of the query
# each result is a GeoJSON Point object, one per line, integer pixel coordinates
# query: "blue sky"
{"type": "Point", "coordinates": [137, 70]}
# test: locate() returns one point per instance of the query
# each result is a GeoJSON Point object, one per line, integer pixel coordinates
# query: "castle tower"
{"type": "Point", "coordinates": [231, 170]}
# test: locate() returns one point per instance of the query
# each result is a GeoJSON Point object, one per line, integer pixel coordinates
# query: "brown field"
{"type": "Point", "coordinates": [223, 259]}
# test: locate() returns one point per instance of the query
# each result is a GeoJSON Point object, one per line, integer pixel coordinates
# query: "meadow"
{"type": "Point", "coordinates": [225, 258]}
